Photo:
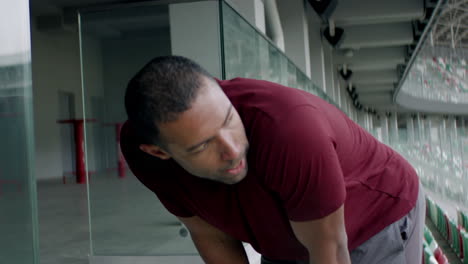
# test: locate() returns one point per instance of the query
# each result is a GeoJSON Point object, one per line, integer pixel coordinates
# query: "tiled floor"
{"type": "Point", "coordinates": [63, 223]}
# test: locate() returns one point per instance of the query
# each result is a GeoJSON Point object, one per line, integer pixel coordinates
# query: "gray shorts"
{"type": "Point", "coordinates": [398, 243]}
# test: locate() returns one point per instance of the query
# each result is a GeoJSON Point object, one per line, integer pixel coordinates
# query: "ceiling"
{"type": "Point", "coordinates": [380, 38]}
{"type": "Point", "coordinates": [47, 7]}
{"type": "Point", "coordinates": [383, 37]}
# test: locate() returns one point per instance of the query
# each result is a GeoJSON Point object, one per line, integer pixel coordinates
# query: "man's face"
{"type": "Point", "coordinates": [208, 140]}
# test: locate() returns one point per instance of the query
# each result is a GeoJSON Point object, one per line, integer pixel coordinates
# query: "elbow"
{"type": "Point", "coordinates": [332, 250]}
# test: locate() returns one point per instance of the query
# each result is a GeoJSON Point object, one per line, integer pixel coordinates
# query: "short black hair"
{"type": "Point", "coordinates": [165, 87]}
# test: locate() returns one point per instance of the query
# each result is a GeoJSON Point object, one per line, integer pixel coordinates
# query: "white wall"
{"type": "Point", "coordinates": [120, 67]}
{"type": "Point", "coordinates": [55, 66]}
{"type": "Point", "coordinates": [195, 33]}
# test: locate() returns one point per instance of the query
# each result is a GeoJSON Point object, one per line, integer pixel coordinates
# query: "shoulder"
{"type": "Point", "coordinates": [251, 97]}
{"type": "Point", "coordinates": [260, 88]}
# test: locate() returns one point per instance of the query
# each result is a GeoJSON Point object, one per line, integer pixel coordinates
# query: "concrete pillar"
{"type": "Point", "coordinates": [422, 123]}
{"type": "Point", "coordinates": [418, 132]}
{"type": "Point", "coordinates": [385, 130]}
{"type": "Point", "coordinates": [317, 70]}
{"type": "Point", "coordinates": [327, 54]}
{"type": "Point", "coordinates": [195, 33]}
{"type": "Point", "coordinates": [453, 138]}
{"type": "Point", "coordinates": [443, 135]}
{"type": "Point", "coordinates": [365, 121]}
{"type": "Point", "coordinates": [463, 127]}
{"type": "Point", "coordinates": [361, 120]}
{"type": "Point", "coordinates": [296, 33]}
{"type": "Point", "coordinates": [464, 156]}
{"type": "Point", "coordinates": [410, 129]}
{"type": "Point", "coordinates": [336, 81]}
{"type": "Point", "coordinates": [393, 128]}
{"type": "Point", "coordinates": [430, 137]}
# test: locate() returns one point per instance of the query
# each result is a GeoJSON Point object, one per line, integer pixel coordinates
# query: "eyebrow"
{"type": "Point", "coordinates": [192, 148]}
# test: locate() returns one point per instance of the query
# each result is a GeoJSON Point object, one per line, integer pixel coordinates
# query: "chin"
{"type": "Point", "coordinates": [233, 179]}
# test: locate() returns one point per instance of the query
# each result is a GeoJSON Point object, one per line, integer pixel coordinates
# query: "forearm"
{"type": "Point", "coordinates": [325, 238]}
{"type": "Point", "coordinates": [214, 245]}
{"type": "Point", "coordinates": [220, 250]}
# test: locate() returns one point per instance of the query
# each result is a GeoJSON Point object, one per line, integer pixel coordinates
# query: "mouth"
{"type": "Point", "coordinates": [238, 168]}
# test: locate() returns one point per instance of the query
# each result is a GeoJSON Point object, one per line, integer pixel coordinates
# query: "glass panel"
{"type": "Point", "coordinates": [18, 211]}
{"type": "Point", "coordinates": [275, 66]}
{"type": "Point", "coordinates": [241, 47]}
{"type": "Point", "coordinates": [292, 82]}
{"type": "Point", "coordinates": [126, 218]}
{"type": "Point", "coordinates": [248, 53]}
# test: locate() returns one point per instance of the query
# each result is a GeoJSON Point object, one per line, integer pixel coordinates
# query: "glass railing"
{"type": "Point", "coordinates": [250, 54]}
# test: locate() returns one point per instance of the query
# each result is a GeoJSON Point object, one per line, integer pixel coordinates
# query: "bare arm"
{"type": "Point", "coordinates": [325, 238]}
{"type": "Point", "coordinates": [214, 246]}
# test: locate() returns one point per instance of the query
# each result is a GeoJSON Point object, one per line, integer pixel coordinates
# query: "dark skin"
{"type": "Point", "coordinates": [216, 149]}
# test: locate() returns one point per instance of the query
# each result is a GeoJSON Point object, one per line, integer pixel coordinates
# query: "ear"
{"type": "Point", "coordinates": [155, 151]}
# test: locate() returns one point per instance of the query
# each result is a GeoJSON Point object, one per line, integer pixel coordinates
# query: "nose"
{"type": "Point", "coordinates": [230, 149]}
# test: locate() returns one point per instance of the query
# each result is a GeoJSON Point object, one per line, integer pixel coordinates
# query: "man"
{"type": "Point", "coordinates": [279, 168]}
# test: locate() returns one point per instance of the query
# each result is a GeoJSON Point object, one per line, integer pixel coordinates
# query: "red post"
{"type": "Point", "coordinates": [79, 152]}
{"type": "Point", "coordinates": [120, 157]}
{"type": "Point", "coordinates": [78, 127]}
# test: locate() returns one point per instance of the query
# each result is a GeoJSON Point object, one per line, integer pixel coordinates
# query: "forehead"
{"type": "Point", "coordinates": [201, 121]}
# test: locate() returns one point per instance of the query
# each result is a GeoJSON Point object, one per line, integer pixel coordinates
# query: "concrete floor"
{"type": "Point", "coordinates": [126, 220]}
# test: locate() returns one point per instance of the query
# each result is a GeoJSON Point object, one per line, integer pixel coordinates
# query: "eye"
{"type": "Point", "coordinates": [201, 148]}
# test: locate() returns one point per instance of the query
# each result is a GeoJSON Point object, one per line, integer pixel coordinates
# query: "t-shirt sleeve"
{"type": "Point", "coordinates": [151, 172]}
{"type": "Point", "coordinates": [301, 165]}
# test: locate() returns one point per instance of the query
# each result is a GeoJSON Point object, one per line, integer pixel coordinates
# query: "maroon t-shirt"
{"type": "Point", "coordinates": [306, 158]}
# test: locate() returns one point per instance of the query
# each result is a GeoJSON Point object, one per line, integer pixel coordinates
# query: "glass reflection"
{"type": "Point", "coordinates": [18, 213]}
